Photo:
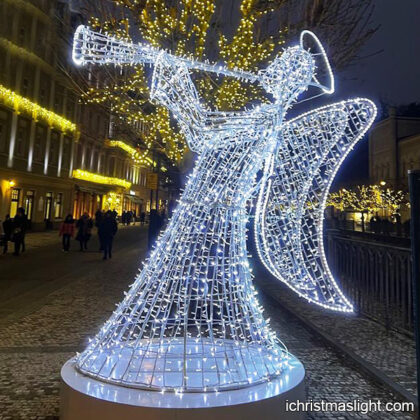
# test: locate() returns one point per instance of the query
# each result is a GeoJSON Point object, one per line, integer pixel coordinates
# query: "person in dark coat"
{"type": "Point", "coordinates": [19, 230]}
{"type": "Point", "coordinates": [142, 217]}
{"type": "Point", "coordinates": [98, 217]}
{"type": "Point", "coordinates": [7, 230]}
{"type": "Point", "coordinates": [129, 217]}
{"type": "Point", "coordinates": [107, 230]}
{"type": "Point", "coordinates": [67, 231]}
{"type": "Point", "coordinates": [155, 225]}
{"type": "Point", "coordinates": [84, 226]}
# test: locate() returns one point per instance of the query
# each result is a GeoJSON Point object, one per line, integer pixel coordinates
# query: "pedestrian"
{"type": "Point", "coordinates": [98, 217]}
{"type": "Point", "coordinates": [115, 214]}
{"type": "Point", "coordinates": [398, 224]}
{"type": "Point", "coordinates": [386, 227]}
{"type": "Point", "coordinates": [19, 230]}
{"type": "Point", "coordinates": [67, 231]}
{"type": "Point", "coordinates": [7, 232]}
{"type": "Point", "coordinates": [124, 217]}
{"type": "Point", "coordinates": [107, 230]}
{"type": "Point", "coordinates": [155, 224]}
{"type": "Point", "coordinates": [26, 223]}
{"type": "Point", "coordinates": [142, 218]}
{"type": "Point", "coordinates": [129, 217]}
{"type": "Point", "coordinates": [84, 226]}
{"type": "Point", "coordinates": [406, 228]}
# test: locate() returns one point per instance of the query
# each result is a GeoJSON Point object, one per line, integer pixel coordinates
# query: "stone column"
{"type": "Point", "coordinates": [60, 150]}
{"type": "Point", "coordinates": [60, 154]}
{"type": "Point", "coordinates": [12, 142]}
{"type": "Point", "coordinates": [33, 121]}
{"type": "Point", "coordinates": [47, 150]}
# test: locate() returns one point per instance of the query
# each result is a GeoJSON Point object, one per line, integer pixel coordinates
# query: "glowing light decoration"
{"type": "Point", "coordinates": [136, 155]}
{"type": "Point", "coordinates": [100, 179]}
{"type": "Point", "coordinates": [37, 112]}
{"type": "Point", "coordinates": [191, 321]}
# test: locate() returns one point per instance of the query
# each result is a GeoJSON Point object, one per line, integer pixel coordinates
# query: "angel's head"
{"type": "Point", "coordinates": [293, 71]}
{"type": "Point", "coordinates": [288, 75]}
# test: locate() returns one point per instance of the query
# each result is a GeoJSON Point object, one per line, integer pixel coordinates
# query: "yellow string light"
{"type": "Point", "coordinates": [35, 111]}
{"type": "Point", "coordinates": [184, 29]}
{"type": "Point", "coordinates": [100, 179]}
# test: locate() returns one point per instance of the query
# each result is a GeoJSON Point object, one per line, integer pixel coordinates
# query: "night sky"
{"type": "Point", "coordinates": [392, 76]}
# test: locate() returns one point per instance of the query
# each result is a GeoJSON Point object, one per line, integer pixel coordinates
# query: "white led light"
{"type": "Point", "coordinates": [191, 321]}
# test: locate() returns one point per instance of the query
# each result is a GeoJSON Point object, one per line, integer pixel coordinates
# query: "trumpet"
{"type": "Point", "coordinates": [98, 48]}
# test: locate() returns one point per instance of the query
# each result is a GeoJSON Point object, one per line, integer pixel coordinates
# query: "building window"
{"type": "Point", "coordinates": [66, 153]}
{"type": "Point", "coordinates": [22, 35]}
{"type": "Point", "coordinates": [4, 132]}
{"type": "Point", "coordinates": [86, 160]}
{"type": "Point", "coordinates": [14, 202]}
{"type": "Point", "coordinates": [29, 204]}
{"type": "Point", "coordinates": [39, 144]}
{"type": "Point", "coordinates": [53, 158]}
{"type": "Point", "coordinates": [22, 137]}
{"type": "Point", "coordinates": [111, 166]}
{"type": "Point", "coordinates": [48, 206]}
{"type": "Point", "coordinates": [58, 206]}
{"type": "Point", "coordinates": [25, 87]}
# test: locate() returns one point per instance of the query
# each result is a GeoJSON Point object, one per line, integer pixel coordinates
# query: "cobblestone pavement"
{"type": "Point", "coordinates": [392, 353]}
{"type": "Point", "coordinates": [66, 297]}
{"type": "Point", "coordinates": [40, 239]}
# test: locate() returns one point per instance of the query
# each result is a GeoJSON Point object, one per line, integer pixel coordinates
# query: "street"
{"type": "Point", "coordinates": [51, 302]}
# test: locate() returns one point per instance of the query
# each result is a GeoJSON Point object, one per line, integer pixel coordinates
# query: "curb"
{"type": "Point", "coordinates": [365, 366]}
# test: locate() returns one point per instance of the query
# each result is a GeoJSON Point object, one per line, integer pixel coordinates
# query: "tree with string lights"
{"type": "Point", "coordinates": [198, 29]}
{"type": "Point", "coordinates": [368, 200]}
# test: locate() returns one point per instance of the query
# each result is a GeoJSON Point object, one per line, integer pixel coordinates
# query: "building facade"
{"type": "Point", "coordinates": [394, 148]}
{"type": "Point", "coordinates": [55, 154]}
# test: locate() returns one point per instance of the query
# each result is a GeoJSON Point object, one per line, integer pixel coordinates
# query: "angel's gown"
{"type": "Point", "coordinates": [191, 320]}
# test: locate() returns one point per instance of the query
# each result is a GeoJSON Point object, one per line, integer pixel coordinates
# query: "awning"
{"type": "Point", "coordinates": [92, 190]}
{"type": "Point", "coordinates": [134, 198]}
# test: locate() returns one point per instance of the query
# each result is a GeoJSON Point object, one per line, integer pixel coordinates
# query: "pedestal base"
{"type": "Point", "coordinates": [84, 398]}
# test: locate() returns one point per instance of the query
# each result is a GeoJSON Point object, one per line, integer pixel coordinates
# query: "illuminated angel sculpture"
{"type": "Point", "coordinates": [191, 320]}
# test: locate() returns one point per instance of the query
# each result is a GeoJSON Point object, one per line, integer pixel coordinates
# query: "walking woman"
{"type": "Point", "coordinates": [107, 230]}
{"type": "Point", "coordinates": [7, 231]}
{"type": "Point", "coordinates": [84, 226]}
{"type": "Point", "coordinates": [67, 231]}
{"type": "Point", "coordinates": [19, 230]}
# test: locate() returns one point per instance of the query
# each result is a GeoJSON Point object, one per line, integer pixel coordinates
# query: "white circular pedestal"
{"type": "Point", "coordinates": [84, 398]}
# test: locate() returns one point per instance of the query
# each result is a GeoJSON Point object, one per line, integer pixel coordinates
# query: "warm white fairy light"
{"type": "Point", "coordinates": [191, 321]}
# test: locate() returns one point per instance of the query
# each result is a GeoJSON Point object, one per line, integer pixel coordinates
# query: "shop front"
{"type": "Point", "coordinates": [45, 201]}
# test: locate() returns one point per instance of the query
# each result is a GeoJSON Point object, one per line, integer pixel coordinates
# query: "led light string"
{"type": "Point", "coordinates": [191, 321]}
{"type": "Point", "coordinates": [100, 179]}
{"type": "Point", "coordinates": [24, 105]}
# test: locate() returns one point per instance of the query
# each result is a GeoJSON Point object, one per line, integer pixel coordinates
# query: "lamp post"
{"type": "Point", "coordinates": [414, 186]}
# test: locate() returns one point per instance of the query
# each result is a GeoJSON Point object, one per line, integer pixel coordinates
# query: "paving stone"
{"type": "Point", "coordinates": [35, 345]}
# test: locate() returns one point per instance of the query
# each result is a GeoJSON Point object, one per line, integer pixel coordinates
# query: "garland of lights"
{"type": "Point", "coordinates": [37, 112]}
{"type": "Point", "coordinates": [185, 29]}
{"type": "Point", "coordinates": [191, 320]}
{"type": "Point", "coordinates": [27, 55]}
{"type": "Point", "coordinates": [136, 155]}
{"type": "Point", "coordinates": [369, 199]}
{"type": "Point", "coordinates": [100, 179]}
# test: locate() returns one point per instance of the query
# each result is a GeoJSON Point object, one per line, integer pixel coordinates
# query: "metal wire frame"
{"type": "Point", "coordinates": [191, 321]}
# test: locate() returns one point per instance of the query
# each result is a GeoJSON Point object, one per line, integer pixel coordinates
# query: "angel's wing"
{"type": "Point", "coordinates": [291, 203]}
